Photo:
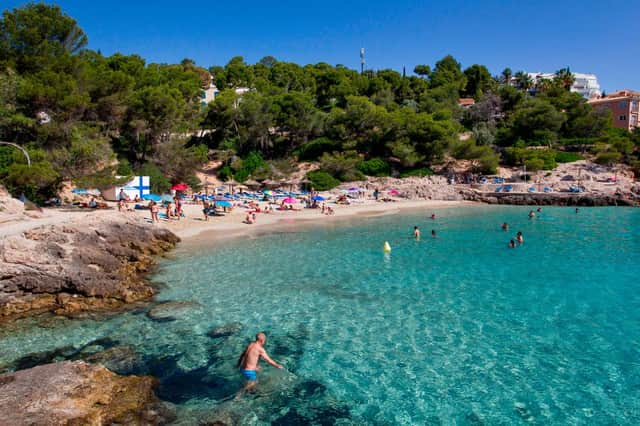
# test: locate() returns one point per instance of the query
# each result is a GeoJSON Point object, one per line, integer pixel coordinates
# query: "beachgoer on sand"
{"type": "Point", "coordinates": [248, 361]}
{"type": "Point", "coordinates": [153, 206]}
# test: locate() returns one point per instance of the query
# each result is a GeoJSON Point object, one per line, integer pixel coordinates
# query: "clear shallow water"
{"type": "Point", "coordinates": [454, 330]}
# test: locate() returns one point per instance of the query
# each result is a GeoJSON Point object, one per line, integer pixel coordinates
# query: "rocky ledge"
{"type": "Point", "coordinates": [555, 199]}
{"type": "Point", "coordinates": [96, 263]}
{"type": "Point", "coordinates": [77, 393]}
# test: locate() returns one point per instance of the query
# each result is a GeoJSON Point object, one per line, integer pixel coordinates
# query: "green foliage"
{"type": "Point", "coordinates": [313, 149]}
{"type": "Point", "coordinates": [483, 158]}
{"type": "Point", "coordinates": [568, 157]}
{"type": "Point", "coordinates": [159, 183]}
{"type": "Point", "coordinates": [342, 165]}
{"type": "Point", "coordinates": [375, 167]}
{"type": "Point", "coordinates": [124, 168]}
{"type": "Point", "coordinates": [534, 164]}
{"type": "Point", "coordinates": [225, 173]}
{"type": "Point", "coordinates": [519, 156]}
{"type": "Point", "coordinates": [79, 110]}
{"type": "Point", "coordinates": [38, 182]}
{"type": "Point", "coordinates": [322, 181]}
{"type": "Point", "coordinates": [249, 165]}
{"type": "Point", "coordinates": [608, 157]}
{"type": "Point", "coordinates": [421, 172]}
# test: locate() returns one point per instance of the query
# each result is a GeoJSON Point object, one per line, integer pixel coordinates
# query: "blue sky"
{"type": "Point", "coordinates": [599, 37]}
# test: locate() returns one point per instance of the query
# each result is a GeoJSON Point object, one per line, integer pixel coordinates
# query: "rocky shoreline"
{"type": "Point", "coordinates": [95, 264]}
{"type": "Point", "coordinates": [541, 199]}
{"type": "Point", "coordinates": [78, 393]}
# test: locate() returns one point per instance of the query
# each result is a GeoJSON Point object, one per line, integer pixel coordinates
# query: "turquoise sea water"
{"type": "Point", "coordinates": [459, 329]}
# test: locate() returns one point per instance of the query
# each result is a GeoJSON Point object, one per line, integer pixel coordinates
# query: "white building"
{"type": "Point", "coordinates": [585, 84]}
{"type": "Point", "coordinates": [210, 93]}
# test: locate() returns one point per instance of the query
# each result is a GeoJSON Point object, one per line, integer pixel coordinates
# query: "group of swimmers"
{"type": "Point", "coordinates": [417, 233]}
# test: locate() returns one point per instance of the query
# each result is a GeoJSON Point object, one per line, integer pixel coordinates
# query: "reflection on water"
{"type": "Point", "coordinates": [454, 329]}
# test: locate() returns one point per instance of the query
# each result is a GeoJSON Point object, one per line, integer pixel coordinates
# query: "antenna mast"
{"type": "Point", "coordinates": [362, 60]}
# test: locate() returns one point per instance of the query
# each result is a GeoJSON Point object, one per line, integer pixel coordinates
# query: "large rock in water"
{"type": "Point", "coordinates": [76, 393]}
{"type": "Point", "coordinates": [95, 264]}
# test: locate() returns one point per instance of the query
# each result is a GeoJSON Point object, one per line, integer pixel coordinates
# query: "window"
{"type": "Point", "coordinates": [622, 118]}
{"type": "Point", "coordinates": [633, 120]}
{"type": "Point", "coordinates": [623, 104]}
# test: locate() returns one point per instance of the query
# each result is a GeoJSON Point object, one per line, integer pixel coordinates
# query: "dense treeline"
{"type": "Point", "coordinates": [88, 118]}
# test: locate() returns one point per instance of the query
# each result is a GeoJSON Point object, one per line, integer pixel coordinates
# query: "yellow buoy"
{"type": "Point", "coordinates": [386, 247]}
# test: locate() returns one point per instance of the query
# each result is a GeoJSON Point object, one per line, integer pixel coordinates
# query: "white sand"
{"type": "Point", "coordinates": [195, 228]}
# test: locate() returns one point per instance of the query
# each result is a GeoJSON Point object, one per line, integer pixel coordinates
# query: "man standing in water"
{"type": "Point", "coordinates": [416, 233]}
{"type": "Point", "coordinates": [248, 361]}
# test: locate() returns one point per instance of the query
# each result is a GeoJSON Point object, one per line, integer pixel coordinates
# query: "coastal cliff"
{"type": "Point", "coordinates": [96, 263]}
{"type": "Point", "coordinates": [75, 393]}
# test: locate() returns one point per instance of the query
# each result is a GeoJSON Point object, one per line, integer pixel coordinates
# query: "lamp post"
{"type": "Point", "coordinates": [24, 151]}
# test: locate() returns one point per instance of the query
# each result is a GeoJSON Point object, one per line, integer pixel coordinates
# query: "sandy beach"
{"type": "Point", "coordinates": [194, 229]}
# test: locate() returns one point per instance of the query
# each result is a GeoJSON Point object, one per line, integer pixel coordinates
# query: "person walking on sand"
{"type": "Point", "coordinates": [248, 361]}
{"type": "Point", "coordinates": [153, 207]}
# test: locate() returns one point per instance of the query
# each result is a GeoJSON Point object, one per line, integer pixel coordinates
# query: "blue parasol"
{"type": "Point", "coordinates": [152, 197]}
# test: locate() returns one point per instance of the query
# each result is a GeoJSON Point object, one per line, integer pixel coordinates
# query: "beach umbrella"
{"type": "Point", "coordinates": [269, 182]}
{"type": "Point", "coordinates": [223, 203]}
{"type": "Point", "coordinates": [180, 187]}
{"type": "Point", "coordinates": [394, 192]}
{"type": "Point", "coordinates": [289, 200]}
{"type": "Point", "coordinates": [354, 189]}
{"type": "Point", "coordinates": [251, 183]}
{"type": "Point", "coordinates": [318, 198]}
{"type": "Point", "coordinates": [267, 192]}
{"type": "Point", "coordinates": [166, 197]}
{"type": "Point", "coordinates": [152, 197]}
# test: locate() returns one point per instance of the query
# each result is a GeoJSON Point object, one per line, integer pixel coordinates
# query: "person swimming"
{"type": "Point", "coordinates": [416, 233]}
{"type": "Point", "coordinates": [505, 226]}
{"type": "Point", "coordinates": [512, 244]}
{"type": "Point", "coordinates": [519, 238]}
{"type": "Point", "coordinates": [433, 233]}
{"type": "Point", "coordinates": [433, 216]}
{"type": "Point", "coordinates": [531, 214]}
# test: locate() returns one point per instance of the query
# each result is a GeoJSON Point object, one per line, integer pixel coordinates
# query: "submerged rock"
{"type": "Point", "coordinates": [170, 311]}
{"type": "Point", "coordinates": [225, 330]}
{"type": "Point", "coordinates": [78, 393]}
{"type": "Point", "coordinates": [120, 359]}
{"type": "Point", "coordinates": [95, 264]}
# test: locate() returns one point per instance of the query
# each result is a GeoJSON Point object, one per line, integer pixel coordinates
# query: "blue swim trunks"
{"type": "Point", "coordinates": [250, 375]}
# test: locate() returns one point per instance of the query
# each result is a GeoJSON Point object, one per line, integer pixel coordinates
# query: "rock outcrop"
{"type": "Point", "coordinates": [77, 393]}
{"type": "Point", "coordinates": [97, 263]}
{"type": "Point", "coordinates": [552, 199]}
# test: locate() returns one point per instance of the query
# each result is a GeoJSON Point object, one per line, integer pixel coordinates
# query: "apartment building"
{"type": "Point", "coordinates": [624, 106]}
{"type": "Point", "coordinates": [585, 84]}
